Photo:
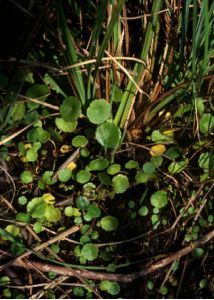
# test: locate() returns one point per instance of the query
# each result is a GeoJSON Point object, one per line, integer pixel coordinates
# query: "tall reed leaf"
{"type": "Point", "coordinates": [130, 92]}
{"type": "Point", "coordinates": [71, 56]}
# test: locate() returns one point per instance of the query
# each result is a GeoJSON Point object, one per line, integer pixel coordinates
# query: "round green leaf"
{"type": "Point", "coordinates": [38, 134]}
{"type": "Point", "coordinates": [47, 178]}
{"type": "Point", "coordinates": [26, 177]}
{"type": "Point", "coordinates": [31, 155]}
{"type": "Point", "coordinates": [163, 290]}
{"type": "Point", "coordinates": [104, 178]}
{"type": "Point", "coordinates": [111, 287]}
{"type": "Point", "coordinates": [150, 285]}
{"type": "Point", "coordinates": [38, 91]}
{"type": "Point", "coordinates": [70, 109]}
{"type": "Point", "coordinates": [173, 152]}
{"type": "Point", "coordinates": [89, 251]}
{"type": "Point", "coordinates": [156, 161]}
{"type": "Point", "coordinates": [22, 200]}
{"type": "Point", "coordinates": [13, 229]}
{"type": "Point", "coordinates": [64, 175]}
{"type": "Point", "coordinates": [120, 183]}
{"type": "Point", "coordinates": [55, 248]}
{"type": "Point", "coordinates": [79, 141]}
{"type": "Point", "coordinates": [148, 168]}
{"type": "Point", "coordinates": [113, 169]}
{"type": "Point", "coordinates": [52, 214]}
{"type": "Point", "coordinates": [99, 111]}
{"type": "Point", "coordinates": [37, 207]}
{"type": "Point", "coordinates": [85, 239]}
{"type": "Point", "coordinates": [203, 283]}
{"type": "Point", "coordinates": [83, 176]}
{"type": "Point", "coordinates": [206, 123]}
{"type": "Point", "coordinates": [65, 126]}
{"type": "Point", "coordinates": [132, 164]}
{"type": "Point", "coordinates": [143, 211]}
{"type": "Point", "coordinates": [109, 223]}
{"type": "Point", "coordinates": [94, 211]}
{"type": "Point", "coordinates": [159, 199]}
{"type": "Point", "coordinates": [78, 291]}
{"type": "Point", "coordinates": [98, 164]}
{"type": "Point", "coordinates": [23, 217]}
{"type": "Point", "coordinates": [72, 211]}
{"type": "Point", "coordinates": [198, 252]}
{"type": "Point", "coordinates": [84, 152]}
{"type": "Point", "coordinates": [37, 227]}
{"type": "Point", "coordinates": [108, 135]}
{"type": "Point", "coordinates": [82, 202]}
{"type": "Point", "coordinates": [142, 177]}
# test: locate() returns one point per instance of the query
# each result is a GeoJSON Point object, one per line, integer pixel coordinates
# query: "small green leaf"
{"type": "Point", "coordinates": [84, 152]}
{"type": "Point", "coordinates": [89, 251]}
{"type": "Point", "coordinates": [70, 109]}
{"type": "Point", "coordinates": [82, 202]}
{"type": "Point", "coordinates": [37, 91]}
{"type": "Point", "coordinates": [150, 285]}
{"type": "Point", "coordinates": [156, 161]}
{"type": "Point", "coordinates": [177, 167]}
{"type": "Point", "coordinates": [83, 176]}
{"type": "Point", "coordinates": [202, 283]}
{"type": "Point", "coordinates": [64, 175]}
{"type": "Point", "coordinates": [79, 141]}
{"type": "Point", "coordinates": [120, 183]}
{"type": "Point", "coordinates": [22, 200]}
{"type": "Point", "coordinates": [94, 211]}
{"type": "Point", "coordinates": [23, 217]}
{"type": "Point", "coordinates": [4, 280]}
{"type": "Point", "coordinates": [157, 136]}
{"type": "Point", "coordinates": [159, 199]}
{"type": "Point", "coordinates": [173, 152]}
{"type": "Point", "coordinates": [148, 168]}
{"type": "Point", "coordinates": [72, 211]}
{"type": "Point", "coordinates": [47, 178]}
{"type": "Point", "coordinates": [13, 229]}
{"type": "Point", "coordinates": [38, 134]}
{"type": "Point", "coordinates": [132, 164]}
{"type": "Point", "coordinates": [143, 211]}
{"type": "Point", "coordinates": [206, 123]}
{"type": "Point", "coordinates": [37, 227]}
{"type": "Point", "coordinates": [78, 291]}
{"type": "Point", "coordinates": [31, 155]}
{"type": "Point", "coordinates": [65, 126]}
{"type": "Point", "coordinates": [199, 105]}
{"type": "Point", "coordinates": [55, 248]}
{"type": "Point", "coordinates": [104, 178]}
{"type": "Point", "coordinates": [198, 252]}
{"type": "Point", "coordinates": [163, 290]}
{"type": "Point", "coordinates": [37, 207]}
{"type": "Point", "coordinates": [99, 111]}
{"type": "Point", "coordinates": [109, 223]}
{"type": "Point", "coordinates": [111, 287]}
{"type": "Point", "coordinates": [206, 161]}
{"type": "Point", "coordinates": [98, 164]}
{"type": "Point", "coordinates": [142, 177]}
{"type": "Point", "coordinates": [52, 214]}
{"type": "Point", "coordinates": [18, 111]}
{"type": "Point", "coordinates": [113, 169]}
{"type": "Point", "coordinates": [26, 177]}
{"type": "Point", "coordinates": [108, 135]}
